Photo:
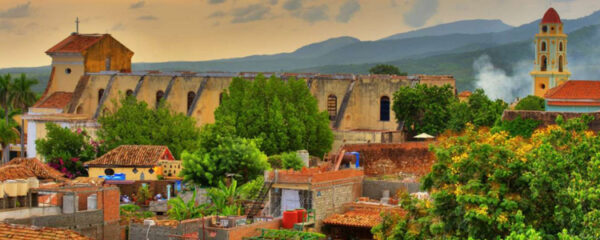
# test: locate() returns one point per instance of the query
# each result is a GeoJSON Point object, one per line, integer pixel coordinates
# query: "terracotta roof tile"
{"type": "Point", "coordinates": [56, 100]}
{"type": "Point", "coordinates": [76, 43]}
{"type": "Point", "coordinates": [12, 172]}
{"type": "Point", "coordinates": [551, 16]}
{"type": "Point", "coordinates": [572, 103]}
{"type": "Point", "coordinates": [575, 89]}
{"type": "Point", "coordinates": [13, 231]}
{"type": "Point", "coordinates": [38, 168]}
{"type": "Point", "coordinates": [356, 218]}
{"type": "Point", "coordinates": [133, 155]}
{"type": "Point", "coordinates": [465, 94]}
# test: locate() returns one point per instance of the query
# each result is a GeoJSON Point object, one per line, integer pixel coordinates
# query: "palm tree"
{"type": "Point", "coordinates": [8, 134]}
{"type": "Point", "coordinates": [21, 95]}
{"type": "Point", "coordinates": [5, 87]}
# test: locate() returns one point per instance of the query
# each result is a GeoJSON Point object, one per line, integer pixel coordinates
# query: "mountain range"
{"type": "Point", "coordinates": [443, 49]}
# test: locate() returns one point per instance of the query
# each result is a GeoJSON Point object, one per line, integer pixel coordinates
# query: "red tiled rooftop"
{"type": "Point", "coordinates": [133, 155]}
{"type": "Point", "coordinates": [76, 43]}
{"type": "Point", "coordinates": [465, 94]}
{"type": "Point", "coordinates": [575, 89]}
{"type": "Point", "coordinates": [13, 231]}
{"type": "Point", "coordinates": [38, 168]}
{"type": "Point", "coordinates": [551, 16]}
{"type": "Point", "coordinates": [356, 218]}
{"type": "Point", "coordinates": [56, 100]}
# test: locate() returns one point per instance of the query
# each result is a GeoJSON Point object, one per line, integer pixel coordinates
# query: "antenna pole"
{"type": "Point", "coordinates": [77, 25]}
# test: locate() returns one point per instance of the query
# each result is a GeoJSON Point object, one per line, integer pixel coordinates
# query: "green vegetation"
{"type": "Point", "coordinates": [144, 194]}
{"type": "Point", "coordinates": [517, 127]}
{"type": "Point", "coordinates": [291, 160]}
{"type": "Point", "coordinates": [386, 69]}
{"type": "Point", "coordinates": [531, 102]}
{"type": "Point", "coordinates": [283, 114]}
{"type": "Point", "coordinates": [281, 234]}
{"type": "Point", "coordinates": [128, 212]}
{"type": "Point", "coordinates": [181, 210]}
{"type": "Point", "coordinates": [66, 150]}
{"type": "Point", "coordinates": [135, 123]}
{"type": "Point", "coordinates": [231, 155]}
{"type": "Point", "coordinates": [8, 134]}
{"type": "Point", "coordinates": [487, 185]}
{"type": "Point", "coordinates": [226, 200]}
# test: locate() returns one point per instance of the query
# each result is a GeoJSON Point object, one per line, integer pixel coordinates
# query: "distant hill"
{"type": "Point", "coordinates": [418, 51]}
{"type": "Point", "coordinates": [465, 27]}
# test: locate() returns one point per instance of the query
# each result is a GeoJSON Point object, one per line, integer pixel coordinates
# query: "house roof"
{"type": "Point", "coordinates": [551, 16]}
{"type": "Point", "coordinates": [76, 43]}
{"type": "Point", "coordinates": [56, 100]}
{"type": "Point", "coordinates": [38, 168]}
{"type": "Point", "coordinates": [356, 218]}
{"type": "Point", "coordinates": [14, 231]}
{"type": "Point", "coordinates": [575, 90]}
{"type": "Point", "coordinates": [465, 94]}
{"type": "Point", "coordinates": [12, 172]}
{"type": "Point", "coordinates": [133, 155]}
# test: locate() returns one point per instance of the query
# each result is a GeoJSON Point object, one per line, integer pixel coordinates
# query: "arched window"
{"type": "Point", "coordinates": [560, 46]}
{"type": "Point", "coordinates": [384, 109]}
{"type": "Point", "coordinates": [560, 63]}
{"type": "Point", "coordinates": [129, 92]}
{"type": "Point", "coordinates": [543, 46]}
{"type": "Point", "coordinates": [190, 99]}
{"type": "Point", "coordinates": [79, 110]}
{"type": "Point", "coordinates": [159, 97]}
{"type": "Point", "coordinates": [332, 106]}
{"type": "Point", "coordinates": [100, 94]}
{"type": "Point", "coordinates": [544, 28]}
{"type": "Point", "coordinates": [544, 64]}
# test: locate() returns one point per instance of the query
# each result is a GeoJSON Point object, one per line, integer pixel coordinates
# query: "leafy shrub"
{"type": "Point", "coordinates": [518, 126]}
{"type": "Point", "coordinates": [291, 160]}
{"type": "Point", "coordinates": [275, 161]}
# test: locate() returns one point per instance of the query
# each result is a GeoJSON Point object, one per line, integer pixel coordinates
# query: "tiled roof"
{"type": "Point", "coordinates": [133, 155]}
{"type": "Point", "coordinates": [551, 16]}
{"type": "Point", "coordinates": [76, 43]}
{"type": "Point", "coordinates": [13, 231]}
{"type": "Point", "coordinates": [356, 218]}
{"type": "Point", "coordinates": [575, 89]}
{"type": "Point", "coordinates": [12, 172]}
{"type": "Point", "coordinates": [572, 103]}
{"type": "Point", "coordinates": [39, 169]}
{"type": "Point", "coordinates": [56, 100]}
{"type": "Point", "coordinates": [465, 94]}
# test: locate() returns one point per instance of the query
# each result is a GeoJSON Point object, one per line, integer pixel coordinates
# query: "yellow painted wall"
{"type": "Point", "coordinates": [64, 81]}
{"type": "Point", "coordinates": [129, 175]}
{"type": "Point", "coordinates": [541, 86]}
{"type": "Point", "coordinates": [170, 168]}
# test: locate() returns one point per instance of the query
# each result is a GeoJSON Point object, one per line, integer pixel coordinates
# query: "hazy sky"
{"type": "Point", "coordinates": [170, 30]}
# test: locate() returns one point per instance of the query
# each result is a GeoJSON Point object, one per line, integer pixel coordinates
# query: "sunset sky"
{"type": "Point", "coordinates": [188, 30]}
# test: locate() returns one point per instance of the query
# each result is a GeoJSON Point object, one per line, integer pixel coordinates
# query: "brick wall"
{"type": "Point", "coordinates": [381, 159]}
{"type": "Point", "coordinates": [110, 204]}
{"type": "Point", "coordinates": [329, 199]}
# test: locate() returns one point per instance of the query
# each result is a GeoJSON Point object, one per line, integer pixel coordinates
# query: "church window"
{"type": "Point", "coordinates": [129, 92]}
{"type": "Point", "coordinates": [560, 64]}
{"type": "Point", "coordinates": [107, 63]}
{"type": "Point", "coordinates": [560, 46]}
{"type": "Point", "coordinates": [544, 28]}
{"type": "Point", "coordinates": [384, 109]}
{"type": "Point", "coordinates": [544, 66]}
{"type": "Point", "coordinates": [190, 99]}
{"type": "Point", "coordinates": [100, 94]}
{"type": "Point", "coordinates": [68, 70]}
{"type": "Point", "coordinates": [159, 97]}
{"type": "Point", "coordinates": [332, 106]}
{"type": "Point", "coordinates": [543, 46]}
{"type": "Point", "coordinates": [79, 110]}
{"type": "Point", "coordinates": [543, 86]}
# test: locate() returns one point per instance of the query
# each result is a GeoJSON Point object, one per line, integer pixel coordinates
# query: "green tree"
{"type": "Point", "coordinates": [386, 69]}
{"type": "Point", "coordinates": [22, 97]}
{"type": "Point", "coordinates": [487, 185]}
{"type": "Point", "coordinates": [231, 155]}
{"type": "Point", "coordinates": [135, 123]}
{"type": "Point", "coordinates": [291, 160]}
{"type": "Point", "coordinates": [181, 210]}
{"type": "Point", "coordinates": [8, 134]}
{"type": "Point", "coordinates": [518, 127]}
{"type": "Point", "coordinates": [283, 114]}
{"type": "Point", "coordinates": [423, 109]}
{"type": "Point", "coordinates": [531, 102]}
{"type": "Point", "coordinates": [66, 150]}
{"type": "Point", "coordinates": [485, 111]}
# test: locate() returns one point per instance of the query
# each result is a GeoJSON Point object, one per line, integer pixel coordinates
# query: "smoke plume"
{"type": "Point", "coordinates": [497, 84]}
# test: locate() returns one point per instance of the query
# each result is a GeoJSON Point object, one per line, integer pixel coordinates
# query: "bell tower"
{"type": "Point", "coordinates": [550, 54]}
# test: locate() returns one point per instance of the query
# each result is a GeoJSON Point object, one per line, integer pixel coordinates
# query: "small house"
{"type": "Point", "coordinates": [131, 162]}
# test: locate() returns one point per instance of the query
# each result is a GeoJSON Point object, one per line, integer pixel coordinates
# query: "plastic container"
{"type": "Point", "coordinates": [22, 187]}
{"type": "Point", "coordinates": [289, 219]}
{"type": "Point", "coordinates": [301, 214]}
{"type": "Point", "coordinates": [33, 182]}
{"type": "Point", "coordinates": [10, 188]}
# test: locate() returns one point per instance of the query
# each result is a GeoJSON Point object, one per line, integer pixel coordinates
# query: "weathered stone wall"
{"type": "Point", "coordinates": [374, 188]}
{"type": "Point", "coordinates": [329, 197]}
{"type": "Point", "coordinates": [382, 159]}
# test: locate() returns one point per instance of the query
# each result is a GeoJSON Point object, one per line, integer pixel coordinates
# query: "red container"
{"type": "Point", "coordinates": [289, 219]}
{"type": "Point", "coordinates": [301, 215]}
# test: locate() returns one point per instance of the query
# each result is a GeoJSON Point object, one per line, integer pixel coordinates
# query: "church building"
{"type": "Point", "coordinates": [551, 76]}
{"type": "Point", "coordinates": [89, 71]}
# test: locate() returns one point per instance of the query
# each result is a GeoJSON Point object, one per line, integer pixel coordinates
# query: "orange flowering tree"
{"type": "Point", "coordinates": [490, 185]}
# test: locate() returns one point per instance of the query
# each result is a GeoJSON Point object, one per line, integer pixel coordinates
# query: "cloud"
{"type": "Point", "coordinates": [249, 13]}
{"type": "Point", "coordinates": [147, 18]}
{"type": "Point", "coordinates": [217, 14]}
{"type": "Point", "coordinates": [497, 84]}
{"type": "Point", "coordinates": [292, 5]}
{"type": "Point", "coordinates": [16, 12]}
{"type": "Point", "coordinates": [6, 26]}
{"type": "Point", "coordinates": [347, 10]}
{"type": "Point", "coordinates": [216, 1]}
{"type": "Point", "coordinates": [421, 11]}
{"type": "Point", "coordinates": [314, 13]}
{"type": "Point", "coordinates": [118, 27]}
{"type": "Point", "coordinates": [137, 5]}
